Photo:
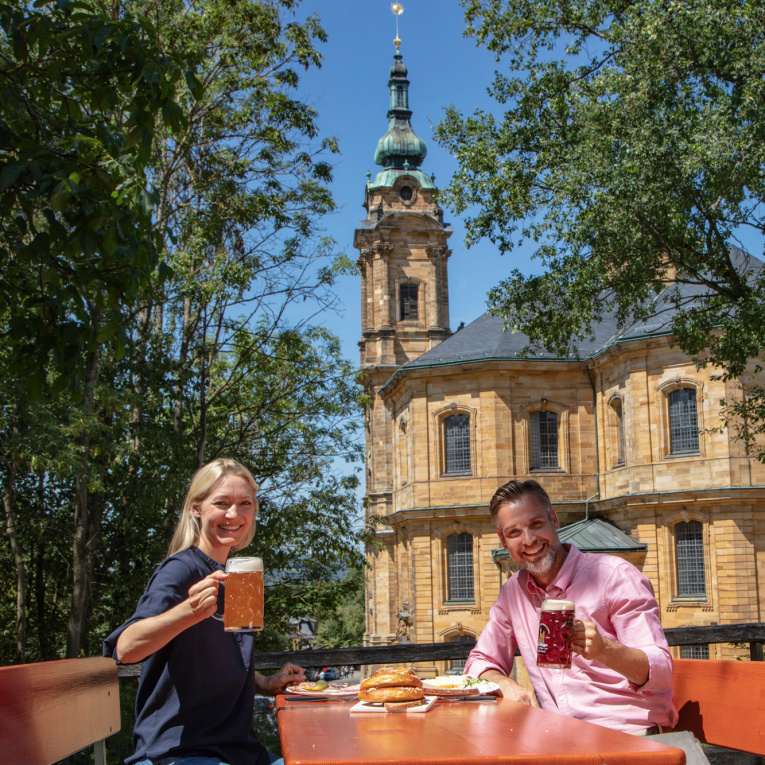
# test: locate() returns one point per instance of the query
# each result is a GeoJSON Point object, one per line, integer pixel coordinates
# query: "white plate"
{"type": "Point", "coordinates": [458, 685]}
{"type": "Point", "coordinates": [377, 706]}
{"type": "Point", "coordinates": [334, 690]}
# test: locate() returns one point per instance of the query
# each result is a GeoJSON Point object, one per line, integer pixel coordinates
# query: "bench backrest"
{"type": "Point", "coordinates": [722, 702]}
{"type": "Point", "coordinates": [55, 708]}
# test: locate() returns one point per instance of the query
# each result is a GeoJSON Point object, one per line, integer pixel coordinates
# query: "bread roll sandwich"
{"type": "Point", "coordinates": [396, 688]}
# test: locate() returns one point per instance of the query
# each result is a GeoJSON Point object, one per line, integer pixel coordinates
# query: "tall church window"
{"type": "Point", "coordinates": [689, 551]}
{"type": "Point", "coordinates": [459, 664]}
{"type": "Point", "coordinates": [544, 440]}
{"type": "Point", "coordinates": [457, 444]}
{"type": "Point", "coordinates": [407, 294]}
{"type": "Point", "coordinates": [619, 415]}
{"type": "Point", "coordinates": [683, 421]}
{"type": "Point", "coordinates": [459, 555]}
{"type": "Point", "coordinates": [399, 95]}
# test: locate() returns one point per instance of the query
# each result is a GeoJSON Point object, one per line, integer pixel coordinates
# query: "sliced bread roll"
{"type": "Point", "coordinates": [401, 706]}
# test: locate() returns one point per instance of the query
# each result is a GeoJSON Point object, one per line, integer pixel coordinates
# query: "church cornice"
{"type": "Point", "coordinates": [691, 498]}
{"type": "Point", "coordinates": [404, 373]}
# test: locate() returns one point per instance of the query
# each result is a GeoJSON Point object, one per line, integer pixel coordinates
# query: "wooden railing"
{"type": "Point", "coordinates": [400, 653]}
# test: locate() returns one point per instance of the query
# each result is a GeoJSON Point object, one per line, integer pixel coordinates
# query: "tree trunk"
{"type": "Point", "coordinates": [45, 633]}
{"type": "Point", "coordinates": [76, 625]}
{"type": "Point", "coordinates": [9, 503]}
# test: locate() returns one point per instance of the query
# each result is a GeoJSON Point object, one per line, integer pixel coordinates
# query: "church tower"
{"type": "Point", "coordinates": [404, 311]}
{"type": "Point", "coordinates": [402, 242]}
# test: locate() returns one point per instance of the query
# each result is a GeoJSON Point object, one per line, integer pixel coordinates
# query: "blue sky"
{"type": "Point", "coordinates": [350, 93]}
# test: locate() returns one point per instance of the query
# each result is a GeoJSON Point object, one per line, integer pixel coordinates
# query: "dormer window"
{"type": "Point", "coordinates": [408, 302]}
{"type": "Point", "coordinates": [406, 193]}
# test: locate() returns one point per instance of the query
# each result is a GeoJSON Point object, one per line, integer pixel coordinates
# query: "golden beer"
{"type": "Point", "coordinates": [243, 610]}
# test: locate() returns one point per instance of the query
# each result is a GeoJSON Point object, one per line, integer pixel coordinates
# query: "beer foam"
{"type": "Point", "coordinates": [557, 605]}
{"type": "Point", "coordinates": [243, 565]}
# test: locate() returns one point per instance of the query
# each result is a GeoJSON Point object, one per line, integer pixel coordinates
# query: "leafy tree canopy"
{"type": "Point", "coordinates": [83, 92]}
{"type": "Point", "coordinates": [629, 147]}
{"type": "Point", "coordinates": [343, 626]}
{"type": "Point", "coordinates": [223, 356]}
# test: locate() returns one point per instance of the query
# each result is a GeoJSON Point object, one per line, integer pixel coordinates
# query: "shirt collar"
{"type": "Point", "coordinates": [557, 588]}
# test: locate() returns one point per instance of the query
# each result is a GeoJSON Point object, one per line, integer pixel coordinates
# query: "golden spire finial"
{"type": "Point", "coordinates": [397, 9]}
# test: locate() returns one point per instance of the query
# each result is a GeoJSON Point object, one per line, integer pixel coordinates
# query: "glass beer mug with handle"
{"type": "Point", "coordinates": [243, 595]}
{"type": "Point", "coordinates": [556, 634]}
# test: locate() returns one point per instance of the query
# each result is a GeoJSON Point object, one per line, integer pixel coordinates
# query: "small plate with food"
{"type": "Point", "coordinates": [458, 685]}
{"type": "Point", "coordinates": [323, 689]}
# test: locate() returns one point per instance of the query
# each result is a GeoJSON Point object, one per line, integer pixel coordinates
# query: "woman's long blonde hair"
{"type": "Point", "coordinates": [187, 531]}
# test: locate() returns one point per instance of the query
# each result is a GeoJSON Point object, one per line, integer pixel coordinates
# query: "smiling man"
{"type": "Point", "coordinates": [621, 671]}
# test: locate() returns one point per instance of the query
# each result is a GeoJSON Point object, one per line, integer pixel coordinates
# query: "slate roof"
{"type": "Point", "coordinates": [599, 535]}
{"type": "Point", "coordinates": [485, 339]}
{"type": "Point", "coordinates": [592, 535]}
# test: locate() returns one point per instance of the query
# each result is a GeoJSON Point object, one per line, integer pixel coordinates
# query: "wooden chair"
{"type": "Point", "coordinates": [55, 708]}
{"type": "Point", "coordinates": [722, 702]}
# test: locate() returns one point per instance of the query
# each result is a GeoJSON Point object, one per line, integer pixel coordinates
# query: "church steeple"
{"type": "Point", "coordinates": [400, 147]}
{"type": "Point", "coordinates": [402, 244]}
{"type": "Point", "coordinates": [400, 151]}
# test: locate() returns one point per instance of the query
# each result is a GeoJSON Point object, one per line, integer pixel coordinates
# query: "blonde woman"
{"type": "Point", "coordinates": [195, 696]}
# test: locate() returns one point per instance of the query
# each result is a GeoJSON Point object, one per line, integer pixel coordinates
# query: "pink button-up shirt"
{"type": "Point", "coordinates": [615, 596]}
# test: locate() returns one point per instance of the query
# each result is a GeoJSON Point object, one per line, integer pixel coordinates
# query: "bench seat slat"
{"type": "Point", "coordinates": [722, 702]}
{"type": "Point", "coordinates": [53, 709]}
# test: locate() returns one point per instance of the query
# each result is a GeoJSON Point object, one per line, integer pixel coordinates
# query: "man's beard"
{"type": "Point", "coordinates": [543, 565]}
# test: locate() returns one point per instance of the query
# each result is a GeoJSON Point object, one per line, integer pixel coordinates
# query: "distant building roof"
{"type": "Point", "coordinates": [303, 627]}
{"type": "Point", "coordinates": [485, 338]}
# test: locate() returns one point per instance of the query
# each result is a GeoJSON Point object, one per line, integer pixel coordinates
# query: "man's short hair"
{"type": "Point", "coordinates": [514, 492]}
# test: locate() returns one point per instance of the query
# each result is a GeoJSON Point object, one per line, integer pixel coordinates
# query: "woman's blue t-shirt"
{"type": "Point", "coordinates": [195, 695]}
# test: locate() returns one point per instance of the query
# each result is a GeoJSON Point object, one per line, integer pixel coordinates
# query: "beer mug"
{"type": "Point", "coordinates": [556, 634]}
{"type": "Point", "coordinates": [243, 595]}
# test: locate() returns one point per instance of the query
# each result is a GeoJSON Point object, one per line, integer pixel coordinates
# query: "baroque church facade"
{"type": "Point", "coordinates": [625, 439]}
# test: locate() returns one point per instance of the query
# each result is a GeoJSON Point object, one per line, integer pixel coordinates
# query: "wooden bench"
{"type": "Point", "coordinates": [722, 702]}
{"type": "Point", "coordinates": [55, 708]}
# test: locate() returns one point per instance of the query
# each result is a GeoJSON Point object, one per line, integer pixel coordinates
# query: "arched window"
{"type": "Point", "coordinates": [459, 664]}
{"type": "Point", "coordinates": [689, 552]}
{"type": "Point", "coordinates": [459, 561]}
{"type": "Point", "coordinates": [457, 444]}
{"type": "Point", "coordinates": [399, 95]}
{"type": "Point", "coordinates": [619, 412]}
{"type": "Point", "coordinates": [407, 294]}
{"type": "Point", "coordinates": [544, 440]}
{"type": "Point", "coordinates": [683, 421]}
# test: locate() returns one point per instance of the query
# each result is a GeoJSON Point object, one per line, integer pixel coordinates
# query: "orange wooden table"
{"type": "Point", "coordinates": [469, 733]}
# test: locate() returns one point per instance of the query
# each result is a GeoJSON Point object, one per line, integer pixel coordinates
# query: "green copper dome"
{"type": "Point", "coordinates": [400, 148]}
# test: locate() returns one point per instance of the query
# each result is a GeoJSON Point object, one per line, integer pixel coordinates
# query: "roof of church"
{"type": "Point", "coordinates": [486, 339]}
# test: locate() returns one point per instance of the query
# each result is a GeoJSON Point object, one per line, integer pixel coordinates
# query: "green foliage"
{"type": "Point", "coordinates": [221, 354]}
{"type": "Point", "coordinates": [629, 147]}
{"type": "Point", "coordinates": [83, 93]}
{"type": "Point", "coordinates": [343, 626]}
{"type": "Point", "coordinates": [745, 415]}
